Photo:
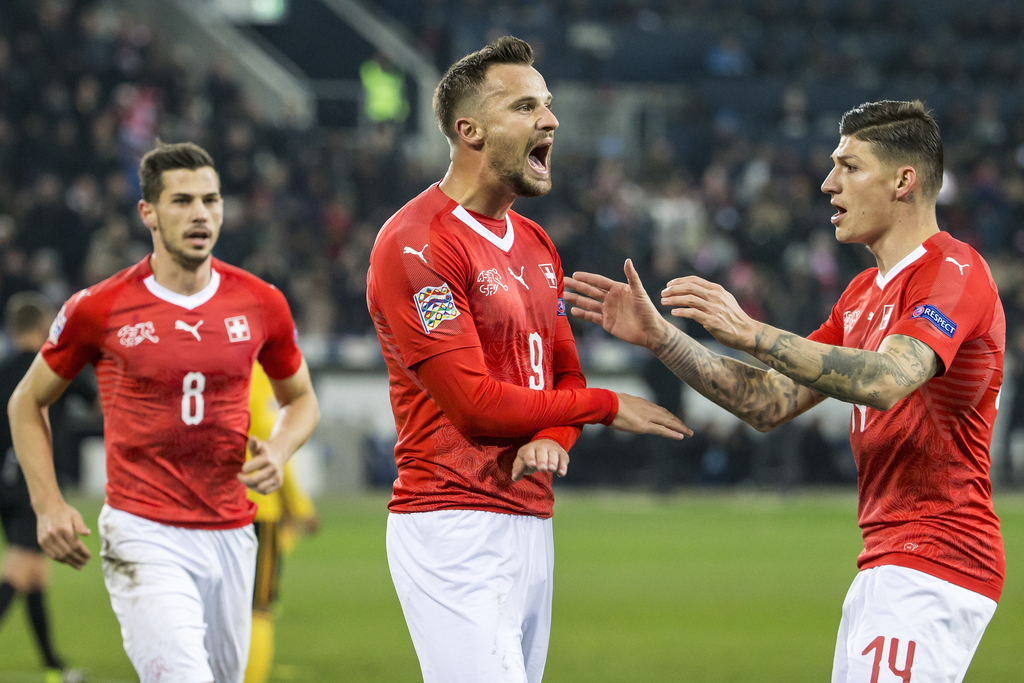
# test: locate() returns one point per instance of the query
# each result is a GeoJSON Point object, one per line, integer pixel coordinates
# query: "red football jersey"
{"type": "Point", "coordinates": [923, 466]}
{"type": "Point", "coordinates": [441, 279]}
{"type": "Point", "coordinates": [173, 374]}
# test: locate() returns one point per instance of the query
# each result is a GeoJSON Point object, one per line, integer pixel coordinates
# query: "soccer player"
{"type": "Point", "coordinates": [27, 318]}
{"type": "Point", "coordinates": [279, 517]}
{"type": "Point", "coordinates": [486, 385]}
{"type": "Point", "coordinates": [916, 345]}
{"type": "Point", "coordinates": [173, 340]}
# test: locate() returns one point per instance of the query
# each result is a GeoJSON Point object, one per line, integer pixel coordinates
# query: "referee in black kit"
{"type": "Point", "coordinates": [24, 570]}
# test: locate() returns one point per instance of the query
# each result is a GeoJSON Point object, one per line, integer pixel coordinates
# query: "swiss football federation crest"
{"type": "Point", "coordinates": [58, 325]}
{"type": "Point", "coordinates": [238, 328]}
{"type": "Point", "coordinates": [491, 280]}
{"type": "Point", "coordinates": [549, 274]}
{"type": "Point", "coordinates": [435, 305]}
{"type": "Point", "coordinates": [133, 335]}
{"type": "Point", "coordinates": [850, 319]}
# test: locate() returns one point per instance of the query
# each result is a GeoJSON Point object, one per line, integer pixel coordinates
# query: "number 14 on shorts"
{"type": "Point", "coordinates": [878, 644]}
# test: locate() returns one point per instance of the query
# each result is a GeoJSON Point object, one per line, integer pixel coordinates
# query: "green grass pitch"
{"type": "Point", "coordinates": [692, 587]}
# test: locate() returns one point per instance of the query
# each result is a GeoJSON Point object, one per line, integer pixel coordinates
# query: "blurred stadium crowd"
{"type": "Point", "coordinates": [730, 191]}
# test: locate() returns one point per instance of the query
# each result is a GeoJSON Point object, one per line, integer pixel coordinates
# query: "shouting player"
{"type": "Point", "coordinates": [916, 345]}
{"type": "Point", "coordinates": [486, 385]}
{"type": "Point", "coordinates": [173, 340]}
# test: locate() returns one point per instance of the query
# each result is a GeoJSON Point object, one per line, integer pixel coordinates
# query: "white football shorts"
{"type": "Point", "coordinates": [183, 597]}
{"type": "Point", "coordinates": [475, 588]}
{"type": "Point", "coordinates": [904, 626]}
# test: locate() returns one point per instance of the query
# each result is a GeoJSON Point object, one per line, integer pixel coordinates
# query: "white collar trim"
{"type": "Point", "coordinates": [190, 302]}
{"type": "Point", "coordinates": [907, 260]}
{"type": "Point", "coordinates": [503, 243]}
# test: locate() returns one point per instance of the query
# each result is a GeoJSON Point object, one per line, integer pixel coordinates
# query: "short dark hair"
{"type": "Point", "coordinates": [465, 76]}
{"type": "Point", "coordinates": [27, 312]}
{"type": "Point", "coordinates": [168, 157]}
{"type": "Point", "coordinates": [900, 132]}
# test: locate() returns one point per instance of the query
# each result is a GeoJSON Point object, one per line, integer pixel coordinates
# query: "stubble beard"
{"type": "Point", "coordinates": [188, 261]}
{"type": "Point", "coordinates": [512, 173]}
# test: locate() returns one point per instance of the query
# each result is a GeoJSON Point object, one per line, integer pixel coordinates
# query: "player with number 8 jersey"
{"type": "Point", "coordinates": [173, 373]}
{"type": "Point", "coordinates": [173, 340]}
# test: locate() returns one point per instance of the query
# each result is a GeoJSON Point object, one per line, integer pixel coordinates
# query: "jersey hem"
{"type": "Point", "coordinates": [208, 525]}
{"type": "Point", "coordinates": [405, 508]}
{"type": "Point", "coordinates": [990, 589]}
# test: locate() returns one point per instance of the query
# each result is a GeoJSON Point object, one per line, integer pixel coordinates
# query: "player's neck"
{"type": "Point", "coordinates": [909, 231]}
{"type": "Point", "coordinates": [476, 190]}
{"type": "Point", "coordinates": [175, 277]}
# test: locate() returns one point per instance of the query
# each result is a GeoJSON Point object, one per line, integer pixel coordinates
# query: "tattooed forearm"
{"type": "Point", "coordinates": [874, 378]}
{"type": "Point", "coordinates": [759, 398]}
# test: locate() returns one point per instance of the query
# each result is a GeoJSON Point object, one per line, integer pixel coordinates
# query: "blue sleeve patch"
{"type": "Point", "coordinates": [935, 317]}
{"type": "Point", "coordinates": [561, 307]}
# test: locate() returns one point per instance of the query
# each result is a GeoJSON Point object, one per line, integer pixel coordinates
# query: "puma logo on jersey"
{"type": "Point", "coordinates": [953, 261]}
{"type": "Point", "coordinates": [133, 335]}
{"type": "Point", "coordinates": [193, 329]}
{"type": "Point", "coordinates": [520, 276]}
{"type": "Point", "coordinates": [410, 250]}
{"type": "Point", "coordinates": [491, 280]}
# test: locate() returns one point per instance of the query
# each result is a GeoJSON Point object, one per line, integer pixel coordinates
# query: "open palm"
{"type": "Point", "coordinates": [622, 309]}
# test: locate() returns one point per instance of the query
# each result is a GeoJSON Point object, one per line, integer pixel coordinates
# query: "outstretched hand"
{"type": "Point", "coordinates": [640, 416]}
{"type": "Point", "coordinates": [711, 306]}
{"type": "Point", "coordinates": [622, 309]}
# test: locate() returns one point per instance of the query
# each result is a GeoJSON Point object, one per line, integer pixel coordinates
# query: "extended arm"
{"type": "Point", "coordinates": [762, 398]}
{"type": "Point", "coordinates": [59, 525]}
{"type": "Point", "coordinates": [295, 422]}
{"type": "Point", "coordinates": [878, 379]}
{"type": "Point", "coordinates": [479, 405]}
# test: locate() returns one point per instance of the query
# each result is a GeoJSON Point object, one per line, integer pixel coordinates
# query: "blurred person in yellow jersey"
{"type": "Point", "coordinates": [280, 518]}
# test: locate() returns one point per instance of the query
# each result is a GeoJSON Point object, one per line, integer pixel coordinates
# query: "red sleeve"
{"type": "Point", "coordinates": [75, 335]}
{"type": "Point", "coordinates": [944, 308]}
{"type": "Point", "coordinates": [478, 405]}
{"type": "Point", "coordinates": [423, 295]}
{"type": "Point", "coordinates": [568, 375]}
{"type": "Point", "coordinates": [280, 355]}
{"type": "Point", "coordinates": [831, 331]}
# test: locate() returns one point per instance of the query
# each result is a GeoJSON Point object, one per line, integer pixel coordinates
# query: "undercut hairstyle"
{"type": "Point", "coordinates": [169, 157]}
{"type": "Point", "coordinates": [27, 312]}
{"type": "Point", "coordinates": [464, 78]}
{"type": "Point", "coordinates": [900, 133]}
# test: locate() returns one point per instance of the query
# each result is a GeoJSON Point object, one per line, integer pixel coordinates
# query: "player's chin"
{"type": "Point", "coordinates": [534, 186]}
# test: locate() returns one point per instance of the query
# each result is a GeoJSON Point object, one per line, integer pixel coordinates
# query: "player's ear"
{"type": "Point", "coordinates": [147, 212]}
{"type": "Point", "coordinates": [470, 131]}
{"type": "Point", "coordinates": [905, 183]}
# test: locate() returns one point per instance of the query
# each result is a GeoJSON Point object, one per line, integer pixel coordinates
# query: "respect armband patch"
{"type": "Point", "coordinates": [435, 305]}
{"type": "Point", "coordinates": [935, 317]}
{"type": "Point", "coordinates": [561, 307]}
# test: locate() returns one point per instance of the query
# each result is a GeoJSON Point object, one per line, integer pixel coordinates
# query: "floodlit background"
{"type": "Point", "coordinates": [694, 137]}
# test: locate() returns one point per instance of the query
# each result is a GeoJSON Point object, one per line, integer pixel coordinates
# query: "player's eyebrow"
{"type": "Point", "coordinates": [845, 158]}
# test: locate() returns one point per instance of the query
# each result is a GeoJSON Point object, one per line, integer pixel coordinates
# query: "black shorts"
{"type": "Point", "coordinates": [19, 523]}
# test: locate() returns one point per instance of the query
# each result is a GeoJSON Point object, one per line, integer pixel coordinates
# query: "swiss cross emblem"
{"type": "Point", "coordinates": [549, 274]}
{"type": "Point", "coordinates": [238, 328]}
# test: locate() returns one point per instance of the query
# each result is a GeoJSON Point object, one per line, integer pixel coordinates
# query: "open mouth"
{"type": "Point", "coordinates": [539, 157]}
{"type": "Point", "coordinates": [838, 215]}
